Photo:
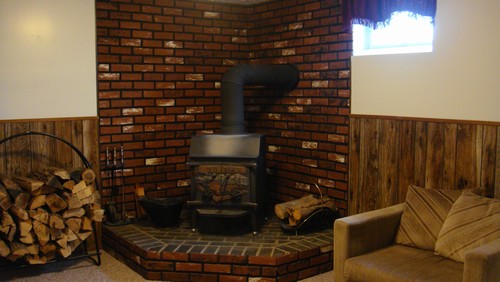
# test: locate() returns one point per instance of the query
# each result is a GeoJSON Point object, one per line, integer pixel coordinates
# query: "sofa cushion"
{"type": "Point", "coordinates": [402, 263]}
{"type": "Point", "coordinates": [423, 216]}
{"type": "Point", "coordinates": [472, 221]}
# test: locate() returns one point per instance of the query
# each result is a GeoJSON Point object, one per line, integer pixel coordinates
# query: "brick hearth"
{"type": "Point", "coordinates": [222, 250]}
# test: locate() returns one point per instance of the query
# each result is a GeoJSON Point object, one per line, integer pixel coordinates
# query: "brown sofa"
{"type": "Point", "coordinates": [365, 249]}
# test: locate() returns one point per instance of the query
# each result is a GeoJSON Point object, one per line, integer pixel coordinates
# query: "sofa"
{"type": "Point", "coordinates": [435, 235]}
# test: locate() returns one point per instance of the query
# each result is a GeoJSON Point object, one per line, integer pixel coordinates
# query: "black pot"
{"type": "Point", "coordinates": [163, 212]}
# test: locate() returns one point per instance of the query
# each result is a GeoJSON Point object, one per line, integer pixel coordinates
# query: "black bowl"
{"type": "Point", "coordinates": [163, 212]}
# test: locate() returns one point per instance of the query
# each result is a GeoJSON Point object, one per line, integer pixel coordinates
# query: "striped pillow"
{"type": "Point", "coordinates": [473, 220]}
{"type": "Point", "coordinates": [423, 216]}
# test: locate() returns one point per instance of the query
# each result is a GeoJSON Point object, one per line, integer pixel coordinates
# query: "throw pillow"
{"type": "Point", "coordinates": [423, 216]}
{"type": "Point", "coordinates": [473, 220]}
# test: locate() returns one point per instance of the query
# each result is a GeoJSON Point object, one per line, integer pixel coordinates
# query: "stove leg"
{"type": "Point", "coordinates": [193, 220]}
{"type": "Point", "coordinates": [254, 223]}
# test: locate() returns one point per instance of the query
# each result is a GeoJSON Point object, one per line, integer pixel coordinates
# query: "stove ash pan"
{"type": "Point", "coordinates": [228, 176]}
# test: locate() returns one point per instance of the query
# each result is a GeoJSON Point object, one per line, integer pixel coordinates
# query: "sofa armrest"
{"type": "Point", "coordinates": [363, 233]}
{"type": "Point", "coordinates": [482, 264]}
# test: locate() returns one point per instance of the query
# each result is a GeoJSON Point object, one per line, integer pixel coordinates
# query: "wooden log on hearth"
{"type": "Point", "coordinates": [301, 214]}
{"type": "Point", "coordinates": [283, 210]}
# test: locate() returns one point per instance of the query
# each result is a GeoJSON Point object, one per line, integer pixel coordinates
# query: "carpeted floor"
{"type": "Point", "coordinates": [84, 270]}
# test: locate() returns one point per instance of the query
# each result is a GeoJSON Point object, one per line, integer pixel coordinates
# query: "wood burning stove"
{"type": "Point", "coordinates": [228, 169]}
{"type": "Point", "coordinates": [228, 176]}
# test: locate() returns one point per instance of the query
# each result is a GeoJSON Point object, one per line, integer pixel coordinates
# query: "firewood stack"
{"type": "Point", "coordinates": [296, 211]}
{"type": "Point", "coordinates": [46, 214]}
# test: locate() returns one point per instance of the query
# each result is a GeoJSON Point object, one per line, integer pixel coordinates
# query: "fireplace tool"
{"type": "Point", "coordinates": [112, 169]}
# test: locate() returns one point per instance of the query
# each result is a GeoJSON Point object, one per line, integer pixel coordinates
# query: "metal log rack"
{"type": "Point", "coordinates": [94, 256]}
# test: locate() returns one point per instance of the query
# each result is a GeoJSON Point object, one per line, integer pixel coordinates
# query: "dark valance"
{"type": "Point", "coordinates": [374, 12]}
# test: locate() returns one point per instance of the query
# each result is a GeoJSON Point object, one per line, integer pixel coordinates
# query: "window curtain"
{"type": "Point", "coordinates": [378, 12]}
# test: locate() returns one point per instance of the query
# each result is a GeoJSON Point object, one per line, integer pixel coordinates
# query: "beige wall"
{"type": "Point", "coordinates": [460, 79]}
{"type": "Point", "coordinates": [47, 59]}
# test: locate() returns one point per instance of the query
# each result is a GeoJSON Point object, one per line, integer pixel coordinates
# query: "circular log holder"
{"type": "Point", "coordinates": [86, 253]}
{"type": "Point", "coordinates": [319, 218]}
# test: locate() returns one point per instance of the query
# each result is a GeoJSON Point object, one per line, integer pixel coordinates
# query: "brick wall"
{"type": "Point", "coordinates": [159, 69]}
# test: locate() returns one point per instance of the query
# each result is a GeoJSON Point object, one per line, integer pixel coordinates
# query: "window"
{"type": "Point", "coordinates": [405, 33]}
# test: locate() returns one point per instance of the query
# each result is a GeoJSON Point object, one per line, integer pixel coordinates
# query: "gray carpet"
{"type": "Point", "coordinates": [84, 270]}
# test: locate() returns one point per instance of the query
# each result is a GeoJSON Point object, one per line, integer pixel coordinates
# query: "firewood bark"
{"type": "Point", "coordinates": [25, 227]}
{"type": "Point", "coordinates": [85, 174]}
{"type": "Point", "coordinates": [21, 213]}
{"type": "Point", "coordinates": [282, 210]}
{"type": "Point", "coordinates": [56, 221]}
{"type": "Point", "coordinates": [302, 213]}
{"type": "Point", "coordinates": [5, 202]}
{"type": "Point", "coordinates": [79, 212]}
{"type": "Point", "coordinates": [37, 202]}
{"type": "Point", "coordinates": [12, 187]}
{"type": "Point", "coordinates": [55, 203]}
{"type": "Point", "coordinates": [47, 214]}
{"type": "Point", "coordinates": [42, 232]}
{"type": "Point", "coordinates": [4, 249]}
{"type": "Point", "coordinates": [28, 184]}
{"type": "Point", "coordinates": [22, 200]}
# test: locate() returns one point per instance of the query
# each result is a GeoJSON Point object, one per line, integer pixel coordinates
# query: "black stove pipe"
{"type": "Point", "coordinates": [285, 77]}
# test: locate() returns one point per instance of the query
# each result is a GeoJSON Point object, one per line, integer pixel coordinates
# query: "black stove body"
{"type": "Point", "coordinates": [228, 169]}
{"type": "Point", "coordinates": [228, 176]}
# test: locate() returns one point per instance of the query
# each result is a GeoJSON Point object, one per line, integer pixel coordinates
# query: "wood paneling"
{"type": "Point", "coordinates": [20, 155]}
{"type": "Point", "coordinates": [386, 154]}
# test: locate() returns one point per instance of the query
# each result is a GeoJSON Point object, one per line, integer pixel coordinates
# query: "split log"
{"type": "Point", "coordinates": [74, 213]}
{"type": "Point", "coordinates": [11, 186]}
{"type": "Point", "coordinates": [17, 249]}
{"type": "Point", "coordinates": [56, 221]}
{"type": "Point", "coordinates": [79, 187]}
{"type": "Point", "coordinates": [55, 203]}
{"type": "Point", "coordinates": [25, 227]}
{"type": "Point", "coordinates": [7, 219]}
{"type": "Point", "coordinates": [29, 239]}
{"type": "Point", "coordinates": [35, 259]}
{"type": "Point", "coordinates": [37, 202]}
{"type": "Point", "coordinates": [282, 210]}
{"type": "Point", "coordinates": [21, 213]}
{"type": "Point", "coordinates": [69, 185]}
{"type": "Point", "coordinates": [49, 215]}
{"type": "Point", "coordinates": [299, 215]}
{"type": "Point", "coordinates": [85, 193]}
{"type": "Point", "coordinates": [22, 200]}
{"type": "Point", "coordinates": [86, 224]}
{"type": "Point", "coordinates": [41, 232]}
{"type": "Point", "coordinates": [74, 224]}
{"type": "Point", "coordinates": [74, 202]}
{"type": "Point", "coordinates": [40, 215]}
{"type": "Point", "coordinates": [28, 184]}
{"type": "Point", "coordinates": [65, 252]}
{"type": "Point", "coordinates": [85, 174]}
{"type": "Point", "coordinates": [4, 249]}
{"type": "Point", "coordinates": [5, 202]}
{"type": "Point", "coordinates": [48, 179]}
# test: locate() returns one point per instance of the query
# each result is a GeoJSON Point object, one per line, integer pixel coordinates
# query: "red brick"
{"type": "Point", "coordinates": [189, 267]}
{"type": "Point", "coordinates": [217, 268]}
